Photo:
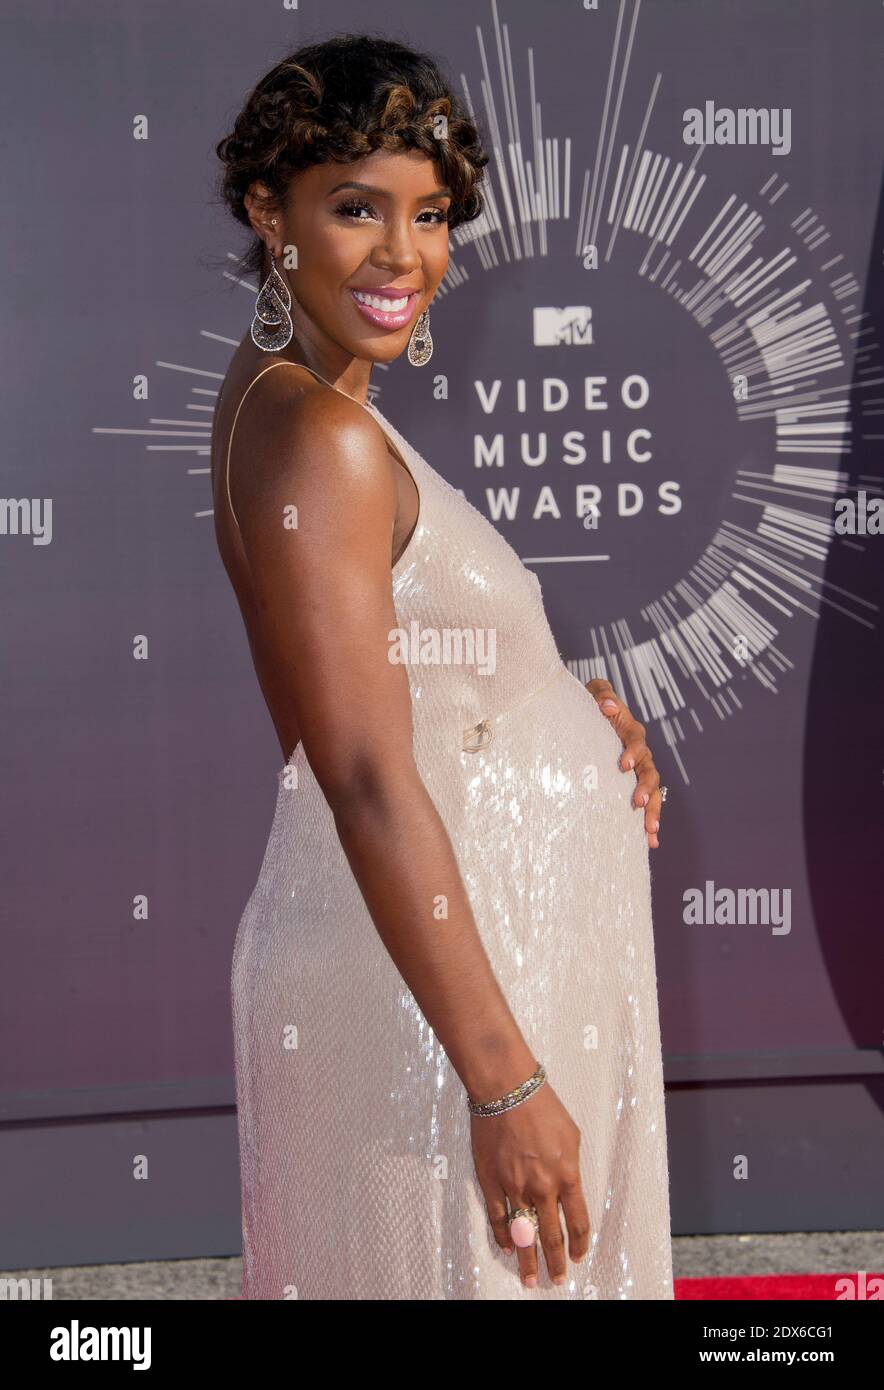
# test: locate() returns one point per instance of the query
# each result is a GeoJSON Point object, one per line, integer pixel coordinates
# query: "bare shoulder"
{"type": "Point", "coordinates": [295, 431]}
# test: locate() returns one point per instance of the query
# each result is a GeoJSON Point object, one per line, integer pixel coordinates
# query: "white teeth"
{"type": "Point", "coordinates": [376, 301]}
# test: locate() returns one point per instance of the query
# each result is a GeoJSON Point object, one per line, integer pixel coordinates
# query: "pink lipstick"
{"type": "Point", "coordinates": [370, 304]}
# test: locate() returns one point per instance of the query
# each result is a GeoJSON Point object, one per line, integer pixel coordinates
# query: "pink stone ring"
{"type": "Point", "coordinates": [523, 1226]}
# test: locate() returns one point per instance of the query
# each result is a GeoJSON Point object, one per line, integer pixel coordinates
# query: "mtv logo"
{"type": "Point", "coordinates": [572, 326]}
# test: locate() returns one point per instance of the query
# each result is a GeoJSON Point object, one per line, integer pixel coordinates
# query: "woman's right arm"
{"type": "Point", "coordinates": [324, 596]}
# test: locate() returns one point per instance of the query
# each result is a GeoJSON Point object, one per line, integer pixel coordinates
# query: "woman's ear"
{"type": "Point", "coordinates": [258, 205]}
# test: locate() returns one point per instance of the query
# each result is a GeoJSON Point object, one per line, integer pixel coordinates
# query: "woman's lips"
{"type": "Point", "coordinates": [385, 318]}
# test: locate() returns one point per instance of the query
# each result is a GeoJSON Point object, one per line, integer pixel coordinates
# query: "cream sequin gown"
{"type": "Point", "coordinates": [357, 1171]}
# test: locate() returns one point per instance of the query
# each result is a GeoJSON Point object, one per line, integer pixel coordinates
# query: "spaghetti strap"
{"type": "Point", "coordinates": [268, 368]}
{"type": "Point", "coordinates": [396, 452]}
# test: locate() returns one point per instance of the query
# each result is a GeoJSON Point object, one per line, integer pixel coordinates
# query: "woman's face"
{"type": "Point", "coordinates": [376, 225]}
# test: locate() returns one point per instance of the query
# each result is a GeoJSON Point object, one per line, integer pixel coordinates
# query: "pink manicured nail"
{"type": "Point", "coordinates": [530, 1281]}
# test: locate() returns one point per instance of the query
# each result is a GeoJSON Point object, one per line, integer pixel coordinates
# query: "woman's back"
{"type": "Point", "coordinates": [239, 441]}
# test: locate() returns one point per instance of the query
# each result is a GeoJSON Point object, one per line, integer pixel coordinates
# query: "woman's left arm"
{"type": "Point", "coordinates": [636, 755]}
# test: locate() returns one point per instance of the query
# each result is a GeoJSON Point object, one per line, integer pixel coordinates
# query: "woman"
{"type": "Point", "coordinates": [455, 892]}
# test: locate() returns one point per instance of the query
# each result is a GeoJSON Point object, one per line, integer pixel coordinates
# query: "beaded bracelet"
{"type": "Point", "coordinates": [512, 1098]}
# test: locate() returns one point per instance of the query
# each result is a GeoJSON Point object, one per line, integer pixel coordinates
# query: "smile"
{"type": "Point", "coordinates": [383, 310]}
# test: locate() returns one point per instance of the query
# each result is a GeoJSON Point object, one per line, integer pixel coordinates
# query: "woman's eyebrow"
{"type": "Point", "coordinates": [383, 193]}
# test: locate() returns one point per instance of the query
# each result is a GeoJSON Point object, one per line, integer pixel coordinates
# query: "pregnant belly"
{"type": "Point", "coordinates": [551, 762]}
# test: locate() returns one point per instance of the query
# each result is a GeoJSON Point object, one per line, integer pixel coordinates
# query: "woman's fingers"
{"type": "Point", "coordinates": [551, 1238]}
{"type": "Point", "coordinates": [647, 780]}
{"type": "Point", "coordinates": [534, 1170]}
{"type": "Point", "coordinates": [576, 1216]}
{"type": "Point", "coordinates": [648, 794]}
{"type": "Point", "coordinates": [635, 755]}
{"type": "Point", "coordinates": [527, 1254]}
{"type": "Point", "coordinates": [653, 816]}
{"type": "Point", "coordinates": [600, 689]}
{"type": "Point", "coordinates": [635, 750]}
{"type": "Point", "coordinates": [499, 1218]}
{"type": "Point", "coordinates": [647, 777]}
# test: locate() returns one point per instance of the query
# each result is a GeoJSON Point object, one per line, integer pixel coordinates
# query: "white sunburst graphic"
{"type": "Point", "coordinates": [786, 320]}
{"type": "Point", "coordinates": [780, 309]}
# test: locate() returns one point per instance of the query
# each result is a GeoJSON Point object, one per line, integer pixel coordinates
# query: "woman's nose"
{"type": "Point", "coordinates": [397, 249]}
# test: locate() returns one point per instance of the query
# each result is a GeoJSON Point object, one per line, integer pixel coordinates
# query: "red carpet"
{"type": "Point", "coordinates": [826, 1287]}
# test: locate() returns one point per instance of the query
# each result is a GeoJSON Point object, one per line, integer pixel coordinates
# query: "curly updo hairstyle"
{"type": "Point", "coordinates": [341, 100]}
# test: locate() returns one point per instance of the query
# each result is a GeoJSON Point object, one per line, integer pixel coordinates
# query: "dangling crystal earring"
{"type": "Point", "coordinates": [420, 344]}
{"type": "Point", "coordinates": [272, 308]}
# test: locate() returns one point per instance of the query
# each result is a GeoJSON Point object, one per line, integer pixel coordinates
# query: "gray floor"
{"type": "Point", "coordinates": [693, 1257]}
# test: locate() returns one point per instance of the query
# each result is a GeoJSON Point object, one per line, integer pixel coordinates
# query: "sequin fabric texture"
{"type": "Point", "coordinates": [356, 1166]}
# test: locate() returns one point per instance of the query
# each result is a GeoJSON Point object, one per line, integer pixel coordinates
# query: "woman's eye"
{"type": "Point", "coordinates": [355, 208]}
{"type": "Point", "coordinates": [351, 209]}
